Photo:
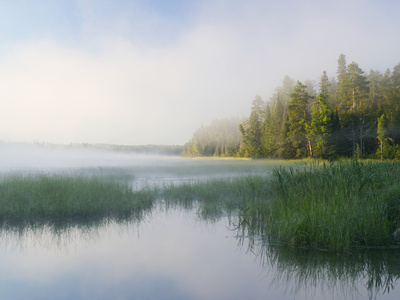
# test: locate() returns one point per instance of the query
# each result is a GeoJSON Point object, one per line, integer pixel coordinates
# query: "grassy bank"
{"type": "Point", "coordinates": [337, 206]}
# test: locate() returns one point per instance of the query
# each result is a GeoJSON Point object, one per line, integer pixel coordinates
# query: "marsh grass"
{"type": "Point", "coordinates": [336, 206]}
{"type": "Point", "coordinates": [46, 198]}
{"type": "Point", "coordinates": [217, 196]}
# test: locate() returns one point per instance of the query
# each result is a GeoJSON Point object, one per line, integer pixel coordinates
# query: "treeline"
{"type": "Point", "coordinates": [220, 138]}
{"type": "Point", "coordinates": [354, 114]}
{"type": "Point", "coordinates": [168, 150]}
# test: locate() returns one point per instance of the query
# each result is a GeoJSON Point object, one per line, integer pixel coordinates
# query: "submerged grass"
{"type": "Point", "coordinates": [338, 206]}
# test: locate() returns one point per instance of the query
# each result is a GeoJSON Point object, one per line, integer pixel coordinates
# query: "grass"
{"type": "Point", "coordinates": [43, 198]}
{"type": "Point", "coordinates": [336, 207]}
{"type": "Point", "coordinates": [217, 196]}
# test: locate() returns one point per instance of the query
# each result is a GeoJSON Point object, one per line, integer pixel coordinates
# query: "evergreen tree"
{"type": "Point", "coordinates": [381, 134]}
{"type": "Point", "coordinates": [310, 88]}
{"type": "Point", "coordinates": [278, 121]}
{"type": "Point", "coordinates": [286, 89]}
{"type": "Point", "coordinates": [324, 86]}
{"type": "Point", "coordinates": [375, 89]}
{"type": "Point", "coordinates": [358, 86]}
{"type": "Point", "coordinates": [319, 128]}
{"type": "Point", "coordinates": [298, 118]}
{"type": "Point", "coordinates": [343, 84]}
{"type": "Point", "coordinates": [365, 121]}
{"type": "Point", "coordinates": [268, 143]}
{"type": "Point", "coordinates": [252, 129]}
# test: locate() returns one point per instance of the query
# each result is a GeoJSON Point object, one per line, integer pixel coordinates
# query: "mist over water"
{"type": "Point", "coordinates": [140, 168]}
{"type": "Point", "coordinates": [31, 157]}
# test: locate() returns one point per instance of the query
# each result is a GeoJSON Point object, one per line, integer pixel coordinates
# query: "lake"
{"type": "Point", "coordinates": [174, 253]}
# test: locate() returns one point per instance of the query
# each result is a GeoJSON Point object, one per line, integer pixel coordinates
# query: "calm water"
{"type": "Point", "coordinates": [174, 254]}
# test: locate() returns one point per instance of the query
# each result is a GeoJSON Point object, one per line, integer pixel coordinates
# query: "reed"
{"type": "Point", "coordinates": [217, 196]}
{"type": "Point", "coordinates": [337, 206]}
{"type": "Point", "coordinates": [41, 198]}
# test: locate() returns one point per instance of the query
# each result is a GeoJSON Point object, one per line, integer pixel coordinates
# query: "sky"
{"type": "Point", "coordinates": [152, 72]}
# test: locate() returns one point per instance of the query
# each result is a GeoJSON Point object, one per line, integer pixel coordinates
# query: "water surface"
{"type": "Point", "coordinates": [174, 254]}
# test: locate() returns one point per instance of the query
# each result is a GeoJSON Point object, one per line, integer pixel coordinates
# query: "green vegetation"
{"type": "Point", "coordinates": [353, 115]}
{"type": "Point", "coordinates": [48, 198]}
{"type": "Point", "coordinates": [217, 196]}
{"type": "Point", "coordinates": [337, 207]}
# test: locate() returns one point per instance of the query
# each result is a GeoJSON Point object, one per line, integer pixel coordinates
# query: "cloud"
{"type": "Point", "coordinates": [128, 81]}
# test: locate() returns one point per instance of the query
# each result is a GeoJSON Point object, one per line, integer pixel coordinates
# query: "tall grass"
{"type": "Point", "coordinates": [217, 196]}
{"type": "Point", "coordinates": [41, 198]}
{"type": "Point", "coordinates": [338, 206]}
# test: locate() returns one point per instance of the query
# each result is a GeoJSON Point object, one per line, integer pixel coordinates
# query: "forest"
{"type": "Point", "coordinates": [351, 115]}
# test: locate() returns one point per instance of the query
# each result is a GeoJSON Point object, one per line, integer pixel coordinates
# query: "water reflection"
{"type": "Point", "coordinates": [363, 273]}
{"type": "Point", "coordinates": [173, 253]}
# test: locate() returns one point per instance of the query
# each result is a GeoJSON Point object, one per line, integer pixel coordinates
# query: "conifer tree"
{"type": "Point", "coordinates": [324, 85]}
{"type": "Point", "coordinates": [381, 133]}
{"type": "Point", "coordinates": [252, 129]}
{"type": "Point", "coordinates": [298, 118]}
{"type": "Point", "coordinates": [319, 127]}
{"type": "Point", "coordinates": [358, 86]}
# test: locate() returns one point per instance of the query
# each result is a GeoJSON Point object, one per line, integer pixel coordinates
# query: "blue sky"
{"type": "Point", "coordinates": [151, 72]}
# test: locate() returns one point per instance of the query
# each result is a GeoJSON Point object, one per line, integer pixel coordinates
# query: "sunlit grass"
{"type": "Point", "coordinates": [219, 195]}
{"type": "Point", "coordinates": [41, 198]}
{"type": "Point", "coordinates": [319, 205]}
{"type": "Point", "coordinates": [338, 206]}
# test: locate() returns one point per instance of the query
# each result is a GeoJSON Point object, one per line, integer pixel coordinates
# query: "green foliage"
{"type": "Point", "coordinates": [298, 120]}
{"type": "Point", "coordinates": [43, 198]}
{"type": "Point", "coordinates": [217, 196]}
{"type": "Point", "coordinates": [342, 121]}
{"type": "Point", "coordinates": [253, 130]}
{"type": "Point", "coordinates": [338, 206]}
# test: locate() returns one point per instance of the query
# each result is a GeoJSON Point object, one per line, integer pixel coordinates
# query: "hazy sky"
{"type": "Point", "coordinates": [151, 72]}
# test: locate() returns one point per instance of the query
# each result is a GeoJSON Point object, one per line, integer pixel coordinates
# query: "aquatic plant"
{"type": "Point", "coordinates": [216, 196]}
{"type": "Point", "coordinates": [42, 198]}
{"type": "Point", "coordinates": [337, 206]}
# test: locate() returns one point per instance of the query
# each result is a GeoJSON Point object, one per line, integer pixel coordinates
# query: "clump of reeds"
{"type": "Point", "coordinates": [218, 195]}
{"type": "Point", "coordinates": [337, 206]}
{"type": "Point", "coordinates": [41, 198]}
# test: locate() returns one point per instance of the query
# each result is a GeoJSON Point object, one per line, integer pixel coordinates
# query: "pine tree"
{"type": "Point", "coordinates": [324, 85]}
{"type": "Point", "coordinates": [319, 127]}
{"type": "Point", "coordinates": [343, 84]}
{"type": "Point", "coordinates": [358, 86]}
{"type": "Point", "coordinates": [381, 133]}
{"type": "Point", "coordinates": [252, 129]}
{"type": "Point", "coordinates": [298, 118]}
